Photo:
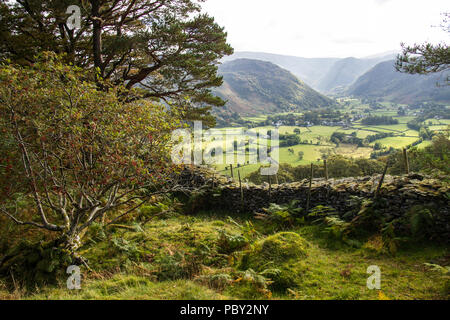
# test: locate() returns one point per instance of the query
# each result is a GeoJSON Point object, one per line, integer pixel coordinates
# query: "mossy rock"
{"type": "Point", "coordinates": [283, 254]}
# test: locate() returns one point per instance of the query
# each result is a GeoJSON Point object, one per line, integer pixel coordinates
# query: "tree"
{"type": "Point", "coordinates": [426, 58]}
{"type": "Point", "coordinates": [401, 112]}
{"type": "Point", "coordinates": [377, 146]}
{"type": "Point", "coordinates": [78, 152]}
{"type": "Point", "coordinates": [425, 133]}
{"type": "Point", "coordinates": [164, 47]}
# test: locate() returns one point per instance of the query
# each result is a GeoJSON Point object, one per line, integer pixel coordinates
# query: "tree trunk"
{"type": "Point", "coordinates": [97, 36]}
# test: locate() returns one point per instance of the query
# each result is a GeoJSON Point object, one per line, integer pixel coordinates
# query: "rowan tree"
{"type": "Point", "coordinates": [77, 152]}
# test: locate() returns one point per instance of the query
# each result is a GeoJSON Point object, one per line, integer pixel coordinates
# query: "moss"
{"type": "Point", "coordinates": [146, 264]}
{"type": "Point", "coordinates": [447, 288]}
{"type": "Point", "coordinates": [248, 291]}
{"type": "Point", "coordinates": [282, 253]}
{"type": "Point", "coordinates": [279, 247]}
{"type": "Point", "coordinates": [130, 287]}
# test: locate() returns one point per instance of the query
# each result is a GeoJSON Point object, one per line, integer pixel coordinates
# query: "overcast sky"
{"type": "Point", "coordinates": [328, 28]}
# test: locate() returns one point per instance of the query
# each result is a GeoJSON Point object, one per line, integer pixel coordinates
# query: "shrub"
{"type": "Point", "coordinates": [82, 151]}
{"type": "Point", "coordinates": [229, 243]}
{"type": "Point", "coordinates": [283, 216]}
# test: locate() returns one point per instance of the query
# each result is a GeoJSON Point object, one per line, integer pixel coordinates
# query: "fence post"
{"type": "Point", "coordinates": [326, 177]}
{"type": "Point", "coordinates": [405, 158]}
{"type": "Point", "coordinates": [240, 187]}
{"type": "Point", "coordinates": [381, 180]}
{"type": "Point", "coordinates": [231, 167]}
{"type": "Point", "coordinates": [308, 201]}
{"type": "Point", "coordinates": [270, 186]}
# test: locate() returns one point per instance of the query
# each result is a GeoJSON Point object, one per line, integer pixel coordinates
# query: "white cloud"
{"type": "Point", "coordinates": [320, 28]}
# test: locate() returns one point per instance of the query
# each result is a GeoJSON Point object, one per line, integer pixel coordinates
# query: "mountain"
{"type": "Point", "coordinates": [327, 75]}
{"type": "Point", "coordinates": [383, 81]}
{"type": "Point", "coordinates": [310, 70]}
{"type": "Point", "coordinates": [254, 87]}
{"type": "Point", "coordinates": [392, 53]}
{"type": "Point", "coordinates": [345, 71]}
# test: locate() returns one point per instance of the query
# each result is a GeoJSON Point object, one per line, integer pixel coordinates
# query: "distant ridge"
{"type": "Point", "coordinates": [327, 75]}
{"type": "Point", "coordinates": [383, 81]}
{"type": "Point", "coordinates": [309, 70]}
{"type": "Point", "coordinates": [346, 71]}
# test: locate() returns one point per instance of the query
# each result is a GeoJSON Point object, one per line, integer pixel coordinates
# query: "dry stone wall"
{"type": "Point", "coordinates": [396, 197]}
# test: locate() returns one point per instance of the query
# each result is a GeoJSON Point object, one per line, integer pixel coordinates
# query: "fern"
{"type": "Point", "coordinates": [438, 268]}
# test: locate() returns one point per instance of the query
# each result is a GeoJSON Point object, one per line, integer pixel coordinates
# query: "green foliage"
{"type": "Point", "coordinates": [185, 247]}
{"type": "Point", "coordinates": [425, 58]}
{"type": "Point", "coordinates": [336, 226]}
{"type": "Point", "coordinates": [218, 281]}
{"type": "Point", "coordinates": [83, 152]}
{"type": "Point", "coordinates": [282, 251]}
{"type": "Point", "coordinates": [377, 120]}
{"type": "Point", "coordinates": [445, 272]}
{"type": "Point", "coordinates": [252, 285]}
{"type": "Point", "coordinates": [282, 216]}
{"type": "Point", "coordinates": [340, 137]}
{"type": "Point", "coordinates": [390, 240]}
{"type": "Point", "coordinates": [338, 167]}
{"type": "Point", "coordinates": [229, 243]}
{"type": "Point", "coordinates": [34, 264]}
{"type": "Point", "coordinates": [172, 267]}
{"type": "Point", "coordinates": [421, 222]}
{"type": "Point", "coordinates": [425, 133]}
{"type": "Point", "coordinates": [432, 159]}
{"type": "Point", "coordinates": [129, 43]}
{"type": "Point", "coordinates": [130, 249]}
{"type": "Point", "coordinates": [289, 140]}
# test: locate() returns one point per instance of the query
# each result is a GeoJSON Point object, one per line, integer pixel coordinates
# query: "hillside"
{"type": "Point", "coordinates": [344, 72]}
{"type": "Point", "coordinates": [383, 81]}
{"type": "Point", "coordinates": [310, 70]}
{"type": "Point", "coordinates": [322, 74]}
{"type": "Point", "coordinates": [253, 87]}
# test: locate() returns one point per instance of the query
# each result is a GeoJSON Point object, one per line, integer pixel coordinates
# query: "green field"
{"type": "Point", "coordinates": [317, 138]}
{"type": "Point", "coordinates": [396, 142]}
{"type": "Point", "coordinates": [320, 135]}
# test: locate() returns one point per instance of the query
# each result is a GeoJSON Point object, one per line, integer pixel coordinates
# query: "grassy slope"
{"type": "Point", "coordinates": [333, 270]}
